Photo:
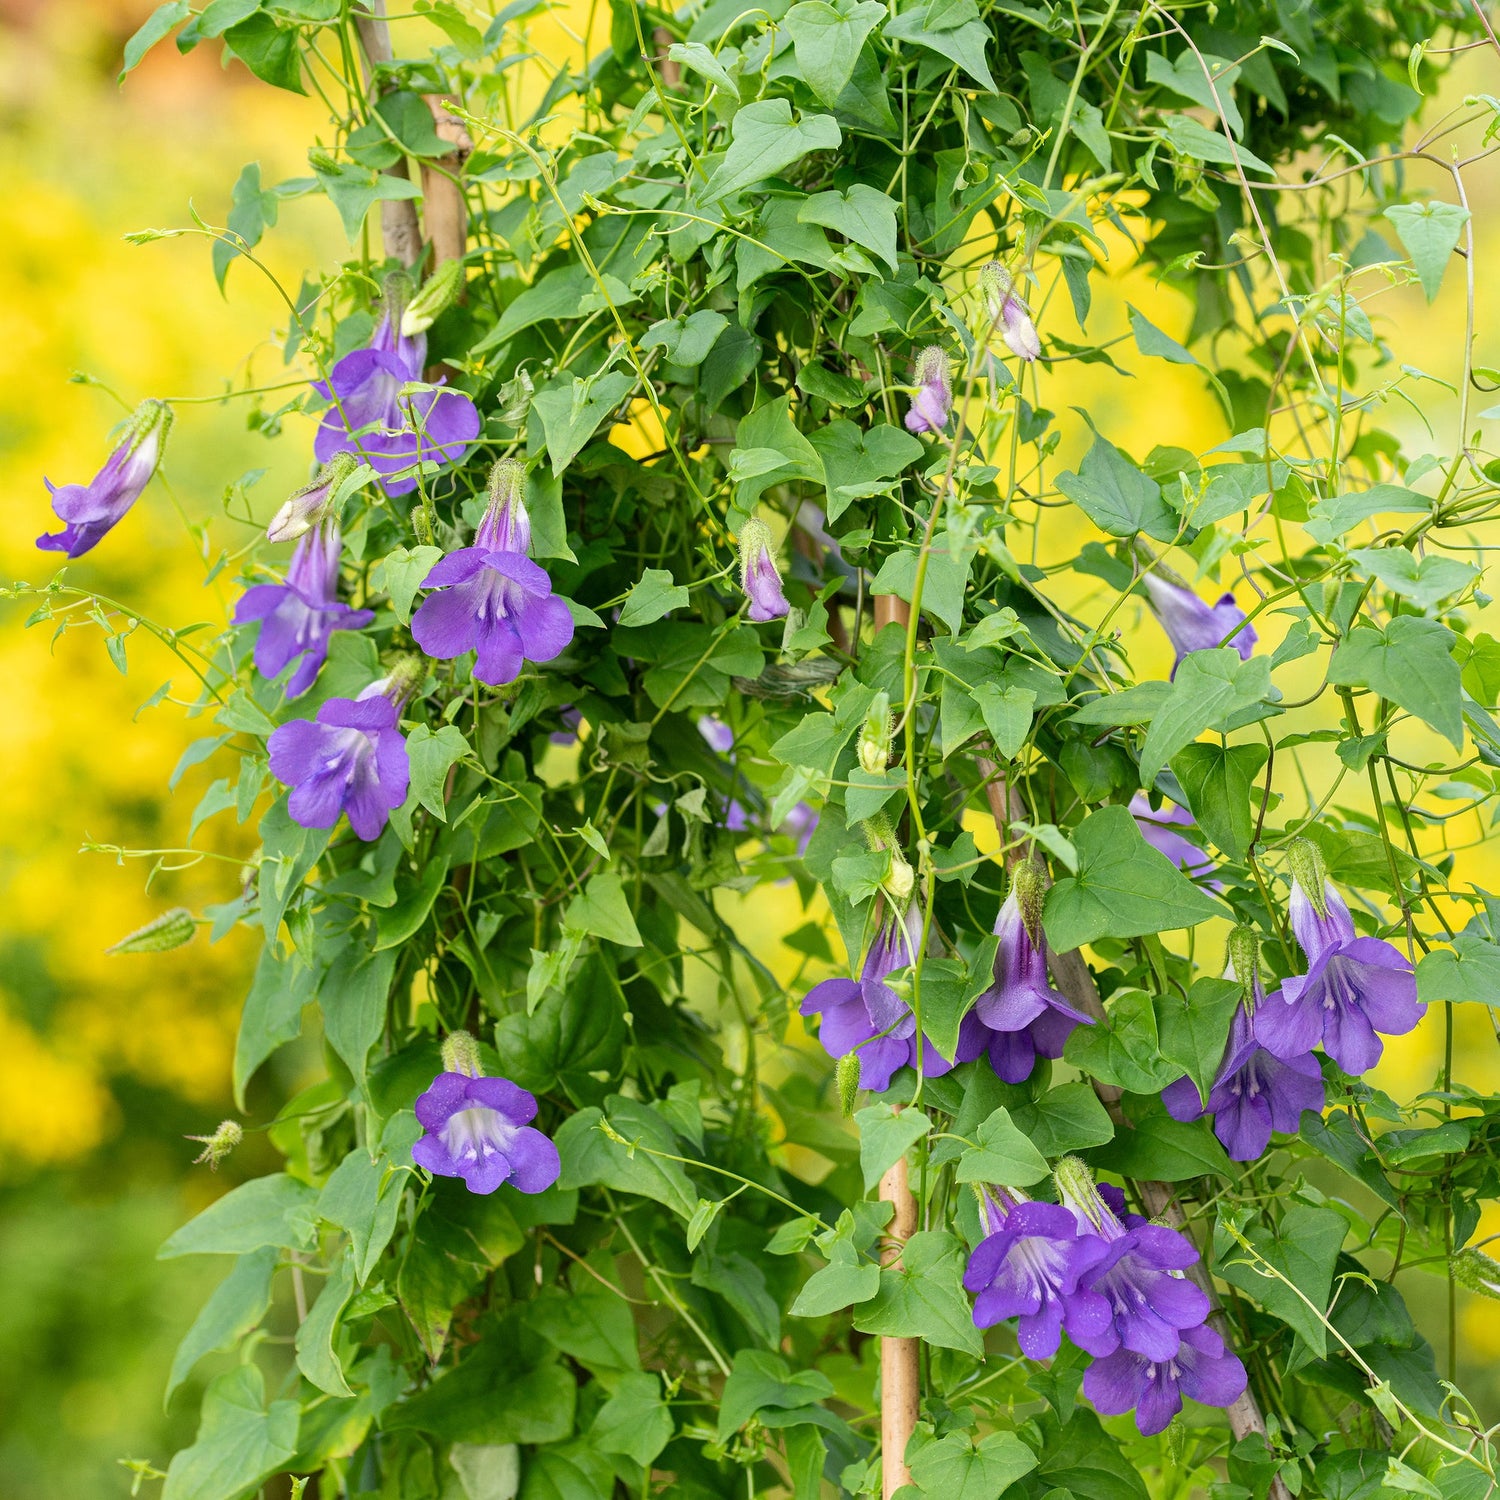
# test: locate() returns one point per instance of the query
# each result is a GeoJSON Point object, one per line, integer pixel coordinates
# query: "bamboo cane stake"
{"type": "Point", "coordinates": [398, 217]}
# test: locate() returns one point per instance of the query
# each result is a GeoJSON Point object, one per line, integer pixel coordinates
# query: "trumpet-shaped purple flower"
{"type": "Point", "coordinates": [868, 1017]}
{"type": "Point", "coordinates": [1158, 828]}
{"type": "Point", "coordinates": [759, 576]}
{"type": "Point", "coordinates": [303, 508]}
{"type": "Point", "coordinates": [717, 735]}
{"type": "Point", "coordinates": [1355, 987]}
{"type": "Point", "coordinates": [480, 1128]}
{"type": "Point", "coordinates": [1026, 1267]}
{"type": "Point", "coordinates": [371, 418]}
{"type": "Point", "coordinates": [492, 598]}
{"type": "Point", "coordinates": [352, 759]}
{"type": "Point", "coordinates": [1130, 1297]}
{"type": "Point", "coordinates": [1254, 1092]}
{"type": "Point", "coordinates": [1200, 1368]}
{"type": "Point", "coordinates": [1192, 625]}
{"type": "Point", "coordinates": [89, 511]}
{"type": "Point", "coordinates": [1021, 1015]}
{"type": "Point", "coordinates": [1008, 314]}
{"type": "Point", "coordinates": [299, 616]}
{"type": "Point", "coordinates": [933, 403]}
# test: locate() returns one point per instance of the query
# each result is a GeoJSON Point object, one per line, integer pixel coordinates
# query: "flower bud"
{"type": "Point", "coordinates": [303, 508]}
{"type": "Point", "coordinates": [396, 292]}
{"type": "Point", "coordinates": [1008, 314]}
{"type": "Point", "coordinates": [218, 1145]}
{"type": "Point", "coordinates": [1477, 1271]}
{"type": "Point", "coordinates": [1075, 1186]}
{"type": "Point", "coordinates": [401, 683]}
{"type": "Point", "coordinates": [172, 929]}
{"type": "Point", "coordinates": [1309, 871]}
{"type": "Point", "coordinates": [902, 880]}
{"type": "Point", "coordinates": [1030, 885]}
{"type": "Point", "coordinates": [1242, 959]}
{"type": "Point", "coordinates": [461, 1055]}
{"type": "Point", "coordinates": [506, 526]}
{"type": "Point", "coordinates": [932, 404]}
{"type": "Point", "coordinates": [432, 298]}
{"type": "Point", "coordinates": [846, 1077]}
{"type": "Point", "coordinates": [875, 736]}
{"type": "Point", "coordinates": [759, 576]}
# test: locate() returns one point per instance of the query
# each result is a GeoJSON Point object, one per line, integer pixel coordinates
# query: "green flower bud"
{"type": "Point", "coordinates": [1309, 871]}
{"type": "Point", "coordinates": [172, 929]}
{"type": "Point", "coordinates": [461, 1055]}
{"type": "Point", "coordinates": [433, 297]}
{"type": "Point", "coordinates": [1477, 1271]}
{"type": "Point", "coordinates": [218, 1145]}
{"type": "Point", "coordinates": [846, 1076]}
{"type": "Point", "coordinates": [1030, 885]}
{"type": "Point", "coordinates": [875, 736]}
{"type": "Point", "coordinates": [1242, 959]}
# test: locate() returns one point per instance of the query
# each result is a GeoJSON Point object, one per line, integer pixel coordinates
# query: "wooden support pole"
{"type": "Point", "coordinates": [444, 211]}
{"type": "Point", "coordinates": [398, 216]}
{"type": "Point", "coordinates": [900, 1393]}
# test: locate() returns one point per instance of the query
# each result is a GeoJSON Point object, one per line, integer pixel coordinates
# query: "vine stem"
{"type": "Point", "coordinates": [1071, 975]}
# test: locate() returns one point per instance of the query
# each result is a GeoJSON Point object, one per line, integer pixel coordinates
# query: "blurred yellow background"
{"type": "Point", "coordinates": [106, 1062]}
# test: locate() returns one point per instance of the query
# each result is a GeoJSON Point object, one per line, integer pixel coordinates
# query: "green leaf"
{"type": "Point", "coordinates": [1123, 888]}
{"type": "Point", "coordinates": [1331, 519]}
{"type": "Point", "coordinates": [1207, 688]}
{"type": "Point", "coordinates": [549, 299]}
{"type": "Point", "coordinates": [354, 190]}
{"type": "Point", "coordinates": [590, 1158]}
{"type": "Point", "coordinates": [858, 463]}
{"type": "Point", "coordinates": [241, 1441]}
{"type": "Point", "coordinates": [414, 901]}
{"type": "Point", "coordinates": [957, 1468]}
{"type": "Point", "coordinates": [770, 428]}
{"type": "Point", "coordinates": [353, 998]}
{"type": "Point", "coordinates": [1067, 1118]}
{"type": "Point", "coordinates": [885, 1136]}
{"type": "Point", "coordinates": [273, 53]}
{"type": "Point", "coordinates": [432, 753]}
{"type": "Point", "coordinates": [1006, 712]}
{"type": "Point", "coordinates": [635, 1420]}
{"type": "Point", "coordinates": [161, 21]}
{"type": "Point", "coordinates": [943, 588]}
{"type": "Point", "coordinates": [1165, 1149]}
{"type": "Point", "coordinates": [1113, 493]}
{"type": "Point", "coordinates": [653, 595]}
{"type": "Point", "coordinates": [233, 1309]}
{"type": "Point", "coordinates": [963, 45]}
{"type": "Point", "coordinates": [571, 410]}
{"type": "Point", "coordinates": [361, 1199]}
{"type": "Point", "coordinates": [576, 1030]}
{"type": "Point", "coordinates": [410, 121]}
{"type": "Point", "coordinates": [1123, 1049]}
{"type": "Point", "coordinates": [266, 1211]}
{"type": "Point", "coordinates": [493, 1396]}
{"type": "Point", "coordinates": [1194, 1031]}
{"type": "Point", "coordinates": [602, 911]}
{"type": "Point", "coordinates": [765, 140]}
{"type": "Point", "coordinates": [686, 340]}
{"type": "Point", "coordinates": [1185, 77]}
{"type": "Point", "coordinates": [317, 1358]}
{"type": "Point", "coordinates": [1005, 1156]}
{"type": "Point", "coordinates": [1425, 581]}
{"type": "Point", "coordinates": [843, 1282]}
{"type": "Point", "coordinates": [1430, 232]}
{"type": "Point", "coordinates": [1190, 138]}
{"type": "Point", "coordinates": [828, 38]}
{"type": "Point", "coordinates": [402, 572]}
{"type": "Point", "coordinates": [859, 213]}
{"type": "Point", "coordinates": [566, 1471]}
{"type": "Point", "coordinates": [1469, 970]}
{"type": "Point", "coordinates": [923, 1297]}
{"type": "Point", "coordinates": [762, 1381]}
{"type": "Point", "coordinates": [1301, 1251]}
{"type": "Point", "coordinates": [1218, 781]}
{"type": "Point", "coordinates": [1410, 662]}
{"type": "Point", "coordinates": [702, 60]}
{"type": "Point", "coordinates": [588, 1323]}
{"type": "Point", "coordinates": [272, 1014]}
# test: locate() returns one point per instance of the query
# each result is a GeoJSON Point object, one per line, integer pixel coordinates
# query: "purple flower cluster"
{"type": "Point", "coordinates": [491, 598]}
{"type": "Point", "coordinates": [867, 1017]}
{"type": "Point", "coordinates": [480, 1128]}
{"type": "Point", "coordinates": [1113, 1283]}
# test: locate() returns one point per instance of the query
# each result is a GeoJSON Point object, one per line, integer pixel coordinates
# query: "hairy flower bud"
{"type": "Point", "coordinates": [1008, 314]}
{"type": "Point", "coordinates": [875, 736]}
{"type": "Point", "coordinates": [846, 1076]}
{"type": "Point", "coordinates": [1030, 885]}
{"type": "Point", "coordinates": [506, 526]}
{"type": "Point", "coordinates": [172, 929]}
{"type": "Point", "coordinates": [1477, 1271]}
{"type": "Point", "coordinates": [218, 1145]}
{"type": "Point", "coordinates": [902, 880]}
{"type": "Point", "coordinates": [1242, 960]}
{"type": "Point", "coordinates": [932, 404]}
{"type": "Point", "coordinates": [1075, 1186]}
{"type": "Point", "coordinates": [1310, 873]}
{"type": "Point", "coordinates": [433, 297]}
{"type": "Point", "coordinates": [461, 1054]}
{"type": "Point", "coordinates": [759, 575]}
{"type": "Point", "coordinates": [304, 508]}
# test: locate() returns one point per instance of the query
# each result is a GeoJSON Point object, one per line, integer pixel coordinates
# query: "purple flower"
{"type": "Point", "coordinates": [371, 417]}
{"type": "Point", "coordinates": [299, 616]}
{"type": "Point", "coordinates": [1021, 1015]}
{"type": "Point", "coordinates": [933, 403]}
{"type": "Point", "coordinates": [1200, 1368]}
{"type": "Point", "coordinates": [89, 511]}
{"type": "Point", "coordinates": [717, 735]}
{"type": "Point", "coordinates": [1026, 1267]}
{"type": "Point", "coordinates": [493, 599]}
{"type": "Point", "coordinates": [1130, 1297]}
{"type": "Point", "coordinates": [759, 576]}
{"type": "Point", "coordinates": [1354, 988]}
{"type": "Point", "coordinates": [869, 1018]}
{"type": "Point", "coordinates": [480, 1129]}
{"type": "Point", "coordinates": [1157, 828]}
{"type": "Point", "coordinates": [1008, 313]}
{"type": "Point", "coordinates": [1192, 625]}
{"type": "Point", "coordinates": [801, 822]}
{"type": "Point", "coordinates": [570, 718]}
{"type": "Point", "coordinates": [303, 507]}
{"type": "Point", "coordinates": [351, 759]}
